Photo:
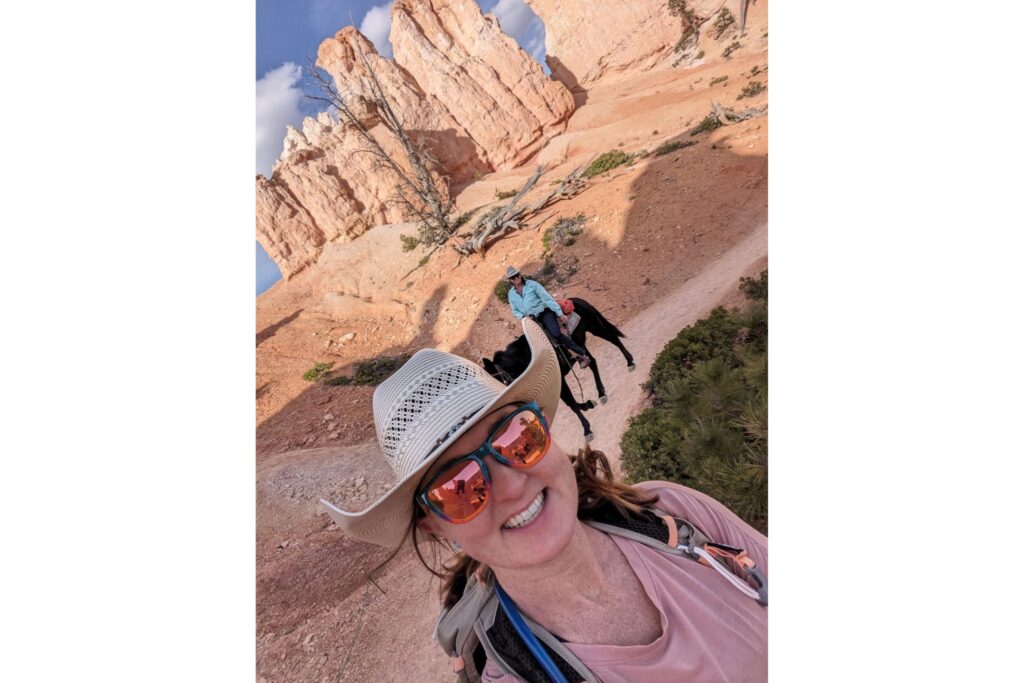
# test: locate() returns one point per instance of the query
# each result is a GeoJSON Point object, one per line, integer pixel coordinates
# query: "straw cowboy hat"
{"type": "Point", "coordinates": [511, 273]}
{"type": "Point", "coordinates": [423, 408]}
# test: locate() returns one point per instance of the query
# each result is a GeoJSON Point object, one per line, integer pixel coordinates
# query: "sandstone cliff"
{"type": "Point", "coordinates": [463, 89]}
{"type": "Point", "coordinates": [591, 41]}
{"type": "Point", "coordinates": [324, 188]}
{"type": "Point", "coordinates": [488, 83]}
{"type": "Point", "coordinates": [425, 118]}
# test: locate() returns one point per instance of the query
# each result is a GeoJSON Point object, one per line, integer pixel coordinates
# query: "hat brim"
{"type": "Point", "coordinates": [387, 521]}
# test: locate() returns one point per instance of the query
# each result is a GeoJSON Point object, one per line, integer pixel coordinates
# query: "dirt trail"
{"type": "Point", "coordinates": [646, 335]}
{"type": "Point", "coordinates": [355, 638]}
{"type": "Point", "coordinates": [667, 238]}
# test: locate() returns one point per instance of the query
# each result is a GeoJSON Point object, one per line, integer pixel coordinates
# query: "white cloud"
{"type": "Point", "coordinates": [277, 105]}
{"type": "Point", "coordinates": [519, 21]}
{"type": "Point", "coordinates": [377, 27]}
{"type": "Point", "coordinates": [535, 46]}
{"type": "Point", "coordinates": [514, 16]}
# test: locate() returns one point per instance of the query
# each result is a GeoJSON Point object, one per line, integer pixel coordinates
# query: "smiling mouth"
{"type": "Point", "coordinates": [528, 515]}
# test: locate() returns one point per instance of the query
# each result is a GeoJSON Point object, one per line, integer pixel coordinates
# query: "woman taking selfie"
{"type": "Point", "coordinates": [554, 571]}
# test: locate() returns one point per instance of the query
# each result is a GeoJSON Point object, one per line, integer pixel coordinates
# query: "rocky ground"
{"type": "Point", "coordinates": [665, 240]}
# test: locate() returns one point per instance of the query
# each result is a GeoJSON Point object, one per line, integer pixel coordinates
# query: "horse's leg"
{"type": "Point", "coordinates": [614, 339]}
{"type": "Point", "coordinates": [601, 395]}
{"type": "Point", "coordinates": [570, 400]}
{"type": "Point", "coordinates": [625, 352]}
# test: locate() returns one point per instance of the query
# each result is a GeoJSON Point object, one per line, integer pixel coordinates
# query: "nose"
{"type": "Point", "coordinates": [507, 483]}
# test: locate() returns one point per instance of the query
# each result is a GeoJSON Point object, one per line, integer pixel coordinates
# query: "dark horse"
{"type": "Point", "coordinates": [512, 362]}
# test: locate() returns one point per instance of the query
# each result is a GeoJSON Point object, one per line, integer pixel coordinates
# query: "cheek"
{"type": "Point", "coordinates": [479, 539]}
{"type": "Point", "coordinates": [474, 537]}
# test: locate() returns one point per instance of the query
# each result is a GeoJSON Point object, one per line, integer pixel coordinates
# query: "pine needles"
{"type": "Point", "coordinates": [708, 428]}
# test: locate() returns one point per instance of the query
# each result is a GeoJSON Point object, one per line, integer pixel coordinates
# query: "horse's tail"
{"type": "Point", "coordinates": [602, 326]}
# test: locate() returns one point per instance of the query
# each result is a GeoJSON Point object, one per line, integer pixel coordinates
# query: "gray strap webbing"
{"type": "Point", "coordinates": [485, 620]}
{"type": "Point", "coordinates": [474, 613]}
{"type": "Point", "coordinates": [562, 651]}
{"type": "Point", "coordinates": [688, 535]}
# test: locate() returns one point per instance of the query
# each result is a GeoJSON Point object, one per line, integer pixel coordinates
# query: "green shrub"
{"type": "Point", "coordinates": [606, 162]}
{"type": "Point", "coordinates": [684, 40]}
{"type": "Point", "coordinates": [563, 232]}
{"type": "Point", "coordinates": [670, 147]}
{"type": "Point", "coordinates": [710, 337]}
{"type": "Point", "coordinates": [754, 321]}
{"type": "Point", "coordinates": [650, 448]}
{"type": "Point", "coordinates": [755, 290]}
{"type": "Point", "coordinates": [409, 243]}
{"type": "Point", "coordinates": [463, 218]}
{"type": "Point", "coordinates": [709, 122]}
{"type": "Point", "coordinates": [316, 372]}
{"type": "Point", "coordinates": [723, 21]}
{"type": "Point", "coordinates": [750, 89]}
{"type": "Point", "coordinates": [371, 372]}
{"type": "Point", "coordinates": [423, 261]}
{"type": "Point", "coordinates": [505, 194]}
{"type": "Point", "coordinates": [732, 47]}
{"type": "Point", "coordinates": [708, 428]}
{"type": "Point", "coordinates": [501, 290]}
{"type": "Point", "coordinates": [699, 55]}
{"type": "Point", "coordinates": [716, 81]}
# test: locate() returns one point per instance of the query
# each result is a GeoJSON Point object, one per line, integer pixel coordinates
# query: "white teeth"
{"type": "Point", "coordinates": [527, 515]}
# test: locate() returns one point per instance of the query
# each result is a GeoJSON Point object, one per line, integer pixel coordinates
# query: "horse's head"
{"type": "Point", "coordinates": [507, 365]}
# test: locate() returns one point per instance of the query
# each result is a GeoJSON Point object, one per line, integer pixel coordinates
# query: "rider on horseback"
{"type": "Point", "coordinates": [528, 297]}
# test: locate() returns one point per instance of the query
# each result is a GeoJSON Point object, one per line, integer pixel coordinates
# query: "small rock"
{"type": "Point", "coordinates": [361, 481]}
{"type": "Point", "coordinates": [283, 544]}
{"type": "Point", "coordinates": [328, 417]}
{"type": "Point", "coordinates": [333, 435]}
{"type": "Point", "coordinates": [348, 337]}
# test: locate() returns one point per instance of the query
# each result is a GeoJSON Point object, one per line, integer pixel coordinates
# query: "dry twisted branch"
{"type": "Point", "coordinates": [510, 217]}
{"type": "Point", "coordinates": [727, 116]}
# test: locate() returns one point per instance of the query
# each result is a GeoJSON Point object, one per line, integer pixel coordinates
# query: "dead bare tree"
{"type": "Point", "coordinates": [496, 224]}
{"type": "Point", "coordinates": [726, 116]}
{"type": "Point", "coordinates": [419, 177]}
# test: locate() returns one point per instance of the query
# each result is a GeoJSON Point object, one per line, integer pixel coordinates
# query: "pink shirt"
{"type": "Point", "coordinates": [711, 632]}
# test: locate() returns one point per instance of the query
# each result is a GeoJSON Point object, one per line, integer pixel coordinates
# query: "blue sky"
{"type": "Point", "coordinates": [289, 31]}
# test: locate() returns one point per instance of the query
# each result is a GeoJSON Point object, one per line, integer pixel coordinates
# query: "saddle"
{"type": "Point", "coordinates": [568, 311]}
{"type": "Point", "coordinates": [574, 320]}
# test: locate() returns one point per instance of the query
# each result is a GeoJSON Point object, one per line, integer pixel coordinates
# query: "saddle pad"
{"type": "Point", "coordinates": [574, 320]}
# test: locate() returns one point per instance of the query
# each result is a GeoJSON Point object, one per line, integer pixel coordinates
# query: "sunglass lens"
{"type": "Point", "coordinates": [461, 492]}
{"type": "Point", "coordinates": [524, 440]}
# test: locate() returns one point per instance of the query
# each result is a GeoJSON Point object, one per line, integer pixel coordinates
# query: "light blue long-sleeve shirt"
{"type": "Point", "coordinates": [532, 301]}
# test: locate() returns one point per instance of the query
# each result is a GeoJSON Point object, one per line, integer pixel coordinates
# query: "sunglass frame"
{"type": "Point", "coordinates": [486, 448]}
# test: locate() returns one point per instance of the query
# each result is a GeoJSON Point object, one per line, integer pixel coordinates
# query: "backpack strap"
{"type": "Point", "coordinates": [476, 630]}
{"type": "Point", "coordinates": [669, 534]}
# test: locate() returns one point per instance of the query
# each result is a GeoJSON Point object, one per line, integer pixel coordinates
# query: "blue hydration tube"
{"type": "Point", "coordinates": [532, 644]}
